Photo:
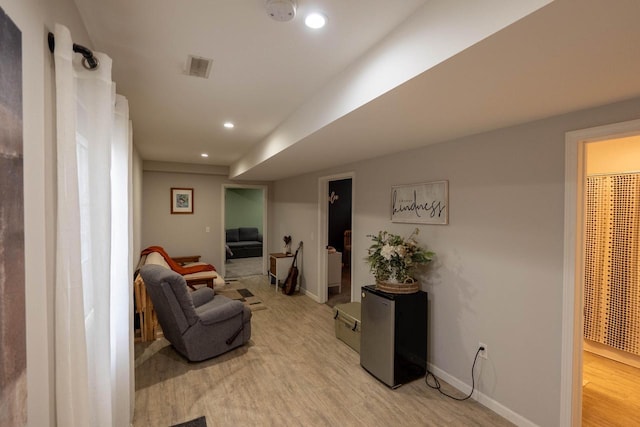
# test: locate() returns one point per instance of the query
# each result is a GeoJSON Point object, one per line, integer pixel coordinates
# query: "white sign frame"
{"type": "Point", "coordinates": [425, 203]}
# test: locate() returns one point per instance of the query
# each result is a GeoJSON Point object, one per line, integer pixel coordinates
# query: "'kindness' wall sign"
{"type": "Point", "coordinates": [426, 203]}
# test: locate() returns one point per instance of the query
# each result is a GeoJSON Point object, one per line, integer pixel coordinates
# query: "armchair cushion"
{"type": "Point", "coordinates": [219, 310]}
{"type": "Point", "coordinates": [181, 292]}
{"type": "Point", "coordinates": [202, 296]}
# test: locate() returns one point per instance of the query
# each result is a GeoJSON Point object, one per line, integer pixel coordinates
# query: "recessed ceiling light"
{"type": "Point", "coordinates": [204, 155]}
{"type": "Point", "coordinates": [229, 125]}
{"type": "Point", "coordinates": [315, 20]}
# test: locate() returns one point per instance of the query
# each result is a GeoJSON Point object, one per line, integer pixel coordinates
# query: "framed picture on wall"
{"type": "Point", "coordinates": [181, 200]}
{"type": "Point", "coordinates": [425, 203]}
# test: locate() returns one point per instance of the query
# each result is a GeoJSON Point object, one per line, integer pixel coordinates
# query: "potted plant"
{"type": "Point", "coordinates": [287, 244]}
{"type": "Point", "coordinates": [392, 260]}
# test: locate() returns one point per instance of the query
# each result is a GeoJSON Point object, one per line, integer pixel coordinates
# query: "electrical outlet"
{"type": "Point", "coordinates": [484, 353]}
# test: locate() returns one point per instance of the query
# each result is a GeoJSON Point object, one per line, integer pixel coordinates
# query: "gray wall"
{"type": "Point", "coordinates": [183, 234]}
{"type": "Point", "coordinates": [244, 208]}
{"type": "Point", "coordinates": [498, 272]}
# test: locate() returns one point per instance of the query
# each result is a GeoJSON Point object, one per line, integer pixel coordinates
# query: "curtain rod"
{"type": "Point", "coordinates": [89, 61]}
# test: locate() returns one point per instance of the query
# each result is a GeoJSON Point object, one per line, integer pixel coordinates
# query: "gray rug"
{"type": "Point", "coordinates": [198, 422]}
{"type": "Point", "coordinates": [242, 267]}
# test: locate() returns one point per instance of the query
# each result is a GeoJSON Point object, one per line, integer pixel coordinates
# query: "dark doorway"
{"type": "Point", "coordinates": [339, 237]}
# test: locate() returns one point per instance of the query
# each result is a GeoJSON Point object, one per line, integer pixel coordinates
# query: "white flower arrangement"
{"type": "Point", "coordinates": [393, 258]}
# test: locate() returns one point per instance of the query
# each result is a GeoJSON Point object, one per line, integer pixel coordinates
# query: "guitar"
{"type": "Point", "coordinates": [289, 286]}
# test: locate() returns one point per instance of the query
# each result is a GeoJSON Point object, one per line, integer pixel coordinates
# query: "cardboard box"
{"type": "Point", "coordinates": [348, 324]}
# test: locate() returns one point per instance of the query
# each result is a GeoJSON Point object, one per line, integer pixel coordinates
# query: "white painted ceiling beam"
{"type": "Point", "coordinates": [434, 33]}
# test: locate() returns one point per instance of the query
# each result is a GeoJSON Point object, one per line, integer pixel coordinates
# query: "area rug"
{"type": "Point", "coordinates": [245, 296]}
{"type": "Point", "coordinates": [198, 422]}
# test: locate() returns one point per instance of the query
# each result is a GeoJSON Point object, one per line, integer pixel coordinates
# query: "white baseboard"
{"type": "Point", "coordinates": [482, 399]}
{"type": "Point", "coordinates": [310, 295]}
{"type": "Point", "coordinates": [611, 353]}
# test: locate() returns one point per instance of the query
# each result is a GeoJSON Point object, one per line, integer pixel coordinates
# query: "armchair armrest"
{"type": "Point", "coordinates": [185, 259]}
{"type": "Point", "coordinates": [222, 312]}
{"type": "Point", "coordinates": [202, 296]}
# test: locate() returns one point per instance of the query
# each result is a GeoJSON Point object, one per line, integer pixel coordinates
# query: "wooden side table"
{"type": "Point", "coordinates": [279, 266]}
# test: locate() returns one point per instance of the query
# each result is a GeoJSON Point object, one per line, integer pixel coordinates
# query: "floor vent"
{"type": "Point", "coordinates": [198, 66]}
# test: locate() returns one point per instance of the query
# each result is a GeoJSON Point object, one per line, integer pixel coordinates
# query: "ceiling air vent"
{"type": "Point", "coordinates": [198, 66]}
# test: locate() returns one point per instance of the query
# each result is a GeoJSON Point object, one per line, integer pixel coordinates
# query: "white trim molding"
{"type": "Point", "coordinates": [572, 320]}
{"type": "Point", "coordinates": [323, 190]}
{"type": "Point", "coordinates": [482, 398]}
{"type": "Point", "coordinates": [265, 223]}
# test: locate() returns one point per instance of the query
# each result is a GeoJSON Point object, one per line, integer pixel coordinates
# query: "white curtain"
{"type": "Point", "coordinates": [93, 320]}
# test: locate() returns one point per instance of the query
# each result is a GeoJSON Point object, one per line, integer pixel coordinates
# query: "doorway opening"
{"type": "Point", "coordinates": [335, 248]}
{"type": "Point", "coordinates": [244, 219]}
{"type": "Point", "coordinates": [573, 382]}
{"type": "Point", "coordinates": [611, 288]}
{"type": "Point", "coordinates": [339, 242]}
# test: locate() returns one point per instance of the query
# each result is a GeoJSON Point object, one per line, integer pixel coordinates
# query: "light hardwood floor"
{"type": "Point", "coordinates": [611, 394]}
{"type": "Point", "coordinates": [293, 372]}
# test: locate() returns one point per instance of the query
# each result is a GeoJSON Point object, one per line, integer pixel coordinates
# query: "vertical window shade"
{"type": "Point", "coordinates": [612, 261]}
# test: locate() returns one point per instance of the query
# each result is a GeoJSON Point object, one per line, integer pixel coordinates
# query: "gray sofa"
{"type": "Point", "coordinates": [198, 324]}
{"type": "Point", "coordinates": [244, 242]}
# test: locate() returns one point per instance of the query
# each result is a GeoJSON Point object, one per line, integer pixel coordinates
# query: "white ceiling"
{"type": "Point", "coordinates": [280, 82]}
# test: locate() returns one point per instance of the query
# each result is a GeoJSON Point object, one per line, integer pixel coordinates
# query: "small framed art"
{"type": "Point", "coordinates": [181, 200]}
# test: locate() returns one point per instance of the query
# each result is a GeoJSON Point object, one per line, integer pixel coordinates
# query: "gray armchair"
{"type": "Point", "coordinates": [198, 324]}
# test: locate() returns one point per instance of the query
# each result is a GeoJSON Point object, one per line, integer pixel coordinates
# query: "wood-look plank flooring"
{"type": "Point", "coordinates": [611, 393]}
{"type": "Point", "coordinates": [294, 371]}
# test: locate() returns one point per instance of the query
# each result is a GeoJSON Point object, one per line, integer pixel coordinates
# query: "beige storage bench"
{"type": "Point", "coordinates": [348, 324]}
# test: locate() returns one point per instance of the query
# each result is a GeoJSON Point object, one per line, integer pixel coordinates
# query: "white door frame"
{"type": "Point", "coordinates": [265, 198]}
{"type": "Point", "coordinates": [573, 280]}
{"type": "Point", "coordinates": [323, 226]}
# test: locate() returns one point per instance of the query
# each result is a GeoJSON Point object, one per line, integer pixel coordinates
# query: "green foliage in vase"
{"type": "Point", "coordinates": [392, 258]}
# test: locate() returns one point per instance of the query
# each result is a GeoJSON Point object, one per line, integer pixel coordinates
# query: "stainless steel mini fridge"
{"type": "Point", "coordinates": [393, 343]}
